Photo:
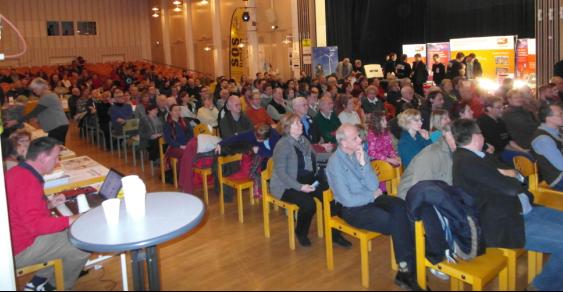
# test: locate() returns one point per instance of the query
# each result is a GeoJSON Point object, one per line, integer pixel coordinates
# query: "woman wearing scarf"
{"type": "Point", "coordinates": [295, 174]}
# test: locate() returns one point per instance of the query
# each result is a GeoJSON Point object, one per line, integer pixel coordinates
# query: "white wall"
{"type": "Point", "coordinates": [7, 280]}
{"type": "Point", "coordinates": [122, 30]}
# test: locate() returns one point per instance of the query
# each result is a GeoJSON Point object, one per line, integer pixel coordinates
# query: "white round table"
{"type": "Point", "coordinates": [168, 215]}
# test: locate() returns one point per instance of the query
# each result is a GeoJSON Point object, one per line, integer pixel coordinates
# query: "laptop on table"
{"type": "Point", "coordinates": [110, 189]}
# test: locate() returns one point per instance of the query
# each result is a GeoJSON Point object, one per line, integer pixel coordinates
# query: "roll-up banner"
{"type": "Point", "coordinates": [525, 58]}
{"type": "Point", "coordinates": [496, 54]}
{"type": "Point", "coordinates": [237, 48]}
{"type": "Point", "coordinates": [442, 49]}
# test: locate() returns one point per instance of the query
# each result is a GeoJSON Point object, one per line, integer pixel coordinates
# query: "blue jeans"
{"type": "Point", "coordinates": [559, 186]}
{"type": "Point", "coordinates": [544, 233]}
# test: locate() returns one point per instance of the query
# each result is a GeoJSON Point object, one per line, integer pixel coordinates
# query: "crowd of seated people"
{"type": "Point", "coordinates": [300, 123]}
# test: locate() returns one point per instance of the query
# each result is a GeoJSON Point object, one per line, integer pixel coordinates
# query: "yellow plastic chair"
{"type": "Point", "coordinates": [477, 272]}
{"type": "Point", "coordinates": [544, 194]}
{"type": "Point", "coordinates": [57, 264]}
{"type": "Point", "coordinates": [292, 209]}
{"type": "Point", "coordinates": [173, 164]}
{"type": "Point", "coordinates": [237, 184]}
{"type": "Point", "coordinates": [389, 174]}
{"type": "Point", "coordinates": [535, 260]}
{"type": "Point", "coordinates": [364, 236]}
{"type": "Point", "coordinates": [392, 177]}
{"type": "Point", "coordinates": [203, 172]}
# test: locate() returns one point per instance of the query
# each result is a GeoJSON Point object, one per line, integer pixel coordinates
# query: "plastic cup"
{"type": "Point", "coordinates": [111, 211]}
{"type": "Point", "coordinates": [82, 203]}
{"type": "Point", "coordinates": [135, 194]}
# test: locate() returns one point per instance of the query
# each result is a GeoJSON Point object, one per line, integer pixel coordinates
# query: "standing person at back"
{"type": "Point", "coordinates": [438, 70]}
{"type": "Point", "coordinates": [419, 74]}
{"type": "Point", "coordinates": [455, 66]}
{"type": "Point", "coordinates": [473, 68]}
{"type": "Point", "coordinates": [49, 111]}
{"type": "Point", "coordinates": [343, 69]}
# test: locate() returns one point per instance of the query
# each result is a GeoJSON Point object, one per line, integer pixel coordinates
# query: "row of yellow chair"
{"type": "Point", "coordinates": [478, 272]}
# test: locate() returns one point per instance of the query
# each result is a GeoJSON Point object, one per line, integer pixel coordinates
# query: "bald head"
{"type": "Point", "coordinates": [233, 104]}
{"type": "Point", "coordinates": [348, 139]}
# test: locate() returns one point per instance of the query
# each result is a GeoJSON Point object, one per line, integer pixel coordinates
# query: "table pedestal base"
{"type": "Point", "coordinates": [138, 259]}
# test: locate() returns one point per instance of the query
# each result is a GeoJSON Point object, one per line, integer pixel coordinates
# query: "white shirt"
{"type": "Point", "coordinates": [349, 118]}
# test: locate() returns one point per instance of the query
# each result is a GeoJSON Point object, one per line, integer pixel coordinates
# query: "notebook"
{"type": "Point", "coordinates": [109, 190]}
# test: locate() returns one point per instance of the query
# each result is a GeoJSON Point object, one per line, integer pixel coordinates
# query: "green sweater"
{"type": "Point", "coordinates": [327, 127]}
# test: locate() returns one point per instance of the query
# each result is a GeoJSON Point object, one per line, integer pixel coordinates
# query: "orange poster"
{"type": "Point", "coordinates": [496, 54]}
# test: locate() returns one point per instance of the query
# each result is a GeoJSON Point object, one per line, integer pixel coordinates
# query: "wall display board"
{"type": "Point", "coordinates": [496, 54]}
{"type": "Point", "coordinates": [526, 59]}
{"type": "Point", "coordinates": [325, 60]}
{"type": "Point", "coordinates": [411, 50]}
{"type": "Point", "coordinates": [442, 49]}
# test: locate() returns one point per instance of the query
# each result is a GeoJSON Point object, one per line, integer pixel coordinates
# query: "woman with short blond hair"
{"type": "Point", "coordinates": [413, 137]}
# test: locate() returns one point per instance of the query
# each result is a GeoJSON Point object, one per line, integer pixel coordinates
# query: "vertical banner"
{"type": "Point", "coordinates": [442, 49]}
{"type": "Point", "coordinates": [307, 45]}
{"type": "Point", "coordinates": [237, 47]}
{"type": "Point", "coordinates": [325, 60]}
{"type": "Point", "coordinates": [496, 54]}
{"type": "Point", "coordinates": [525, 58]}
{"type": "Point", "coordinates": [411, 50]}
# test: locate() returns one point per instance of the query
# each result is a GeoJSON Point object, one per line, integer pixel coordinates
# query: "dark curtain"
{"type": "Point", "coordinates": [370, 29]}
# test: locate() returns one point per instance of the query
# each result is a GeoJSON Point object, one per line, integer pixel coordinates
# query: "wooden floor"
{"type": "Point", "coordinates": [226, 255]}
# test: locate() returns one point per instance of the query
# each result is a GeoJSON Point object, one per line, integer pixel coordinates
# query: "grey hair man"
{"type": "Point", "coordinates": [356, 187]}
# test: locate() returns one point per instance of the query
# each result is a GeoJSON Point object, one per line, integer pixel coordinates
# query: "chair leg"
{"type": "Point", "coordinates": [478, 283]}
{"type": "Point", "coordinates": [512, 271]}
{"type": "Point", "coordinates": [205, 190]}
{"type": "Point", "coordinates": [142, 156]}
{"type": "Point", "coordinates": [319, 215]}
{"type": "Point", "coordinates": [162, 171]}
{"type": "Point", "coordinates": [125, 149]}
{"type": "Point", "coordinates": [291, 230]}
{"type": "Point", "coordinates": [365, 262]}
{"type": "Point", "coordinates": [503, 280]}
{"type": "Point", "coordinates": [535, 261]}
{"type": "Point", "coordinates": [134, 155]}
{"type": "Point", "coordinates": [329, 248]}
{"type": "Point", "coordinates": [266, 215]}
{"type": "Point", "coordinates": [455, 284]}
{"type": "Point", "coordinates": [251, 195]}
{"type": "Point", "coordinates": [59, 275]}
{"type": "Point", "coordinates": [175, 171]}
{"type": "Point", "coordinates": [394, 266]}
{"type": "Point", "coordinates": [221, 198]}
{"type": "Point", "coordinates": [240, 207]}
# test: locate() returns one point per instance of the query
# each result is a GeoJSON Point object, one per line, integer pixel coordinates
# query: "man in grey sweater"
{"type": "Point", "coordinates": [356, 187]}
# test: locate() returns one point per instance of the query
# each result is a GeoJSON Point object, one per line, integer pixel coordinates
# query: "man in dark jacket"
{"type": "Point", "coordinates": [438, 70]}
{"type": "Point", "coordinates": [419, 74]}
{"type": "Point", "coordinates": [472, 67]}
{"type": "Point", "coordinates": [508, 218]}
{"type": "Point", "coordinates": [455, 66]}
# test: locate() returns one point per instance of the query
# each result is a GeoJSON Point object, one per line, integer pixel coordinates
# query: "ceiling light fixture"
{"type": "Point", "coordinates": [177, 9]}
{"type": "Point", "coordinates": [204, 2]}
{"type": "Point", "coordinates": [177, 2]}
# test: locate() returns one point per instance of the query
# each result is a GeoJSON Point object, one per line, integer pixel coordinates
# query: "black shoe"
{"type": "Point", "coordinates": [38, 284]}
{"type": "Point", "coordinates": [407, 281]}
{"type": "Point", "coordinates": [83, 273]}
{"type": "Point", "coordinates": [304, 241]}
{"type": "Point", "coordinates": [341, 241]}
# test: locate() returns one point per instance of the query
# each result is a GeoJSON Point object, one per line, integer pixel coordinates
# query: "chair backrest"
{"type": "Point", "coordinates": [131, 125]}
{"type": "Point", "coordinates": [29, 107]}
{"type": "Point", "coordinates": [202, 129]}
{"type": "Point", "coordinates": [328, 197]}
{"type": "Point", "coordinates": [266, 176]}
{"type": "Point", "coordinates": [528, 169]}
{"type": "Point", "coordinates": [388, 174]}
{"type": "Point", "coordinates": [222, 160]}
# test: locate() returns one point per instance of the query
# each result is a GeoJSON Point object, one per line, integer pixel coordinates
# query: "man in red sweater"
{"type": "Point", "coordinates": [256, 113]}
{"type": "Point", "coordinates": [37, 236]}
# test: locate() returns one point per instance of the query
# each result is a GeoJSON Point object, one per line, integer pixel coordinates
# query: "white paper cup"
{"type": "Point", "coordinates": [82, 203]}
{"type": "Point", "coordinates": [135, 194]}
{"type": "Point", "coordinates": [111, 211]}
